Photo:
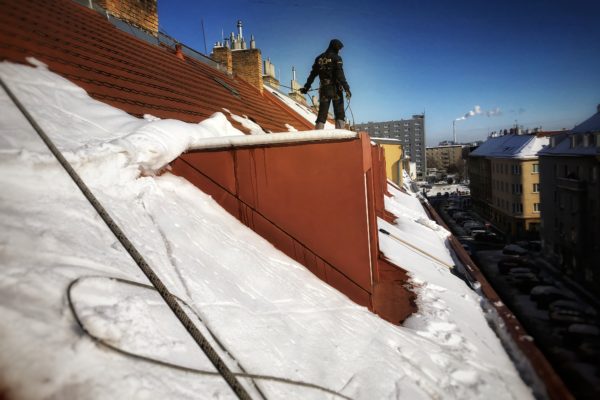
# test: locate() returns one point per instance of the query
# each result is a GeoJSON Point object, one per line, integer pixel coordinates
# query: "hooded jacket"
{"type": "Point", "coordinates": [329, 67]}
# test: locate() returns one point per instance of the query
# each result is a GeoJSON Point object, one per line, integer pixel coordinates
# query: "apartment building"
{"type": "Point", "coordinates": [442, 157]}
{"type": "Point", "coordinates": [505, 182]}
{"type": "Point", "coordinates": [410, 133]}
{"type": "Point", "coordinates": [571, 201]}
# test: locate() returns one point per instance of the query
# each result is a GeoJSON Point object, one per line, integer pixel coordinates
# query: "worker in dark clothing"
{"type": "Point", "coordinates": [328, 66]}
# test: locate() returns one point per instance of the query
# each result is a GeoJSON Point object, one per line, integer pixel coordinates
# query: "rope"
{"type": "Point", "coordinates": [126, 353]}
{"type": "Point", "coordinates": [171, 301]}
{"type": "Point", "coordinates": [416, 249]}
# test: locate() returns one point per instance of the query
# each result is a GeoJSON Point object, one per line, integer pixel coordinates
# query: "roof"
{"type": "Point", "coordinates": [511, 146]}
{"type": "Point", "coordinates": [563, 143]}
{"type": "Point", "coordinates": [119, 69]}
{"type": "Point", "coordinates": [592, 124]}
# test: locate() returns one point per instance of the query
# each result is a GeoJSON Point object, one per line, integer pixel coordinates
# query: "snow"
{"type": "Point", "coordinates": [274, 317]}
{"type": "Point", "coordinates": [513, 146]}
{"type": "Point", "coordinates": [302, 110]}
{"type": "Point", "coordinates": [271, 139]}
{"type": "Point", "coordinates": [253, 127]}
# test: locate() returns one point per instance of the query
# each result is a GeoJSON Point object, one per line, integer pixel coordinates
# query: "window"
{"type": "Point", "coordinates": [536, 188]}
{"type": "Point", "coordinates": [536, 207]}
{"type": "Point", "coordinates": [536, 168]}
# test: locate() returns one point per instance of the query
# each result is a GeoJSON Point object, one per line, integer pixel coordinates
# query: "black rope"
{"type": "Point", "coordinates": [126, 353]}
{"type": "Point", "coordinates": [171, 301]}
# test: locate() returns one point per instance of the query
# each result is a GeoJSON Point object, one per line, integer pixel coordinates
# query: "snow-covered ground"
{"type": "Point", "coordinates": [274, 317]}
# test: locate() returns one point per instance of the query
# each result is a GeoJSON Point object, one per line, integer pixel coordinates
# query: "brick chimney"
{"type": "Point", "coordinates": [222, 55]}
{"type": "Point", "coordinates": [245, 63]}
{"type": "Point", "coordinates": [140, 13]}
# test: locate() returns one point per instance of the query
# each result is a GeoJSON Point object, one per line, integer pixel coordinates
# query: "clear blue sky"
{"type": "Point", "coordinates": [538, 61]}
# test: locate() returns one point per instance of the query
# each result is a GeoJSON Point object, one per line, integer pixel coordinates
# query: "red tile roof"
{"type": "Point", "coordinates": [117, 68]}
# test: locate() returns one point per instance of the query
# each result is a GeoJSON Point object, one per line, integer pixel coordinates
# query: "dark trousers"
{"type": "Point", "coordinates": [338, 107]}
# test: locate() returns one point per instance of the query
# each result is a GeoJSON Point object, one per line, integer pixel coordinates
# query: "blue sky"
{"type": "Point", "coordinates": [537, 61]}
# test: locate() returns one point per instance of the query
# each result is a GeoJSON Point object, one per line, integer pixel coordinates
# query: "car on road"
{"type": "Point", "coordinates": [577, 334]}
{"type": "Point", "coordinates": [568, 317]}
{"type": "Point", "coordinates": [523, 279]}
{"type": "Point", "coordinates": [507, 263]}
{"type": "Point", "coordinates": [485, 236]}
{"type": "Point", "coordinates": [514, 250]}
{"type": "Point", "coordinates": [543, 295]}
{"type": "Point", "coordinates": [573, 305]}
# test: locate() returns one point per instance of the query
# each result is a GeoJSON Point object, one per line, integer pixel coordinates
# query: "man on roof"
{"type": "Point", "coordinates": [328, 66]}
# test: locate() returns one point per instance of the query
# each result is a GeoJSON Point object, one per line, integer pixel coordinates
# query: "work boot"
{"type": "Point", "coordinates": [340, 124]}
{"type": "Point", "coordinates": [319, 126]}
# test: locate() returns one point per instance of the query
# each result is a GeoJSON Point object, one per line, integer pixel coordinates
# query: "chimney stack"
{"type": "Point", "coordinates": [295, 93]}
{"type": "Point", "coordinates": [142, 14]}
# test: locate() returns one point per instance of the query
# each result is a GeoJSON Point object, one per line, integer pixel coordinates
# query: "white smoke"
{"type": "Point", "coordinates": [494, 113]}
{"type": "Point", "coordinates": [477, 111]}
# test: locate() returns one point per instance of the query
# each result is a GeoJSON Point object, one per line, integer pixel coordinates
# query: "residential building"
{"type": "Point", "coordinates": [504, 182]}
{"type": "Point", "coordinates": [570, 201]}
{"type": "Point", "coordinates": [393, 158]}
{"type": "Point", "coordinates": [410, 132]}
{"type": "Point", "coordinates": [443, 157]}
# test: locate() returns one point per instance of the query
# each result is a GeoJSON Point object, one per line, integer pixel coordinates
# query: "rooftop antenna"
{"type": "Point", "coordinates": [204, 35]}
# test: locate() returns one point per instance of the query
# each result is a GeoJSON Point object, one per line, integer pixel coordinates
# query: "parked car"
{"type": "Point", "coordinates": [568, 317]}
{"type": "Point", "coordinates": [506, 264]}
{"type": "Point", "coordinates": [543, 295]}
{"type": "Point", "coordinates": [514, 250]}
{"type": "Point", "coordinates": [577, 334]}
{"type": "Point", "coordinates": [571, 304]}
{"type": "Point", "coordinates": [590, 351]}
{"type": "Point", "coordinates": [470, 226]}
{"type": "Point", "coordinates": [485, 236]}
{"type": "Point", "coordinates": [523, 279]}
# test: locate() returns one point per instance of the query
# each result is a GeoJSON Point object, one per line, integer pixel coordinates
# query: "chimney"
{"type": "Point", "coordinates": [140, 13]}
{"type": "Point", "coordinates": [222, 55]}
{"type": "Point", "coordinates": [269, 74]}
{"type": "Point", "coordinates": [247, 65]}
{"type": "Point", "coordinates": [179, 52]}
{"type": "Point", "coordinates": [295, 93]}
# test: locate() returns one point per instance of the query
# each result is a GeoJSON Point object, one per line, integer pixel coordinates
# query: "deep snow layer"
{"type": "Point", "coordinates": [274, 316]}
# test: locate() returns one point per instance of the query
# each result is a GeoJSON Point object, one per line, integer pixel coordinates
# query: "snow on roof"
{"type": "Point", "coordinates": [592, 124]}
{"type": "Point", "coordinates": [511, 146]}
{"type": "Point", "coordinates": [449, 312]}
{"type": "Point", "coordinates": [274, 316]}
{"type": "Point", "coordinates": [304, 111]}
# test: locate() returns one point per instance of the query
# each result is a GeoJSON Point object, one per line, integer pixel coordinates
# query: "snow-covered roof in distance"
{"type": "Point", "coordinates": [583, 146]}
{"type": "Point", "coordinates": [274, 317]}
{"type": "Point", "coordinates": [511, 146]}
{"type": "Point", "coordinates": [592, 124]}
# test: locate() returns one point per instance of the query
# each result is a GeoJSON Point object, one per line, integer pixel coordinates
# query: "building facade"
{"type": "Point", "coordinates": [441, 157]}
{"type": "Point", "coordinates": [570, 186]}
{"type": "Point", "coordinates": [394, 165]}
{"type": "Point", "coordinates": [410, 133]}
{"type": "Point", "coordinates": [505, 182]}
